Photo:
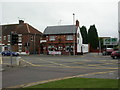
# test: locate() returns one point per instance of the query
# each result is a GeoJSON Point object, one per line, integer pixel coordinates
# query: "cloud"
{"type": "Point", "coordinates": [40, 15]}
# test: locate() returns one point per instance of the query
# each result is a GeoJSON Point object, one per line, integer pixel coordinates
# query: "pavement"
{"type": "Point", "coordinates": [39, 68]}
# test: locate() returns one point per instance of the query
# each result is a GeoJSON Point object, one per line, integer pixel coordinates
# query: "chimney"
{"type": "Point", "coordinates": [77, 23]}
{"type": "Point", "coordinates": [21, 21]}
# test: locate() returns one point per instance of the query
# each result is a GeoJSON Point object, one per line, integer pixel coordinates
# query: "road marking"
{"type": "Point", "coordinates": [51, 80]}
{"type": "Point", "coordinates": [44, 65]}
{"type": "Point", "coordinates": [55, 63]}
{"type": "Point", "coordinates": [92, 65]}
{"type": "Point", "coordinates": [86, 66]}
{"type": "Point", "coordinates": [66, 66]}
{"type": "Point", "coordinates": [6, 63]}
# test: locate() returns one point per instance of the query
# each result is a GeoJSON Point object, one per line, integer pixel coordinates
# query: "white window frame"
{"type": "Point", "coordinates": [52, 38]}
{"type": "Point", "coordinates": [69, 37]}
{"type": "Point", "coordinates": [8, 38]}
{"type": "Point", "coordinates": [20, 39]}
{"type": "Point", "coordinates": [20, 48]}
{"type": "Point", "coordinates": [4, 37]}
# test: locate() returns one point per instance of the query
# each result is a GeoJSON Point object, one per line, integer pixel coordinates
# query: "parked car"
{"type": "Point", "coordinates": [107, 51]}
{"type": "Point", "coordinates": [115, 54]}
{"type": "Point", "coordinates": [8, 53]}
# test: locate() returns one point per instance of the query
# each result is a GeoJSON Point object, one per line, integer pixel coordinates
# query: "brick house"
{"type": "Point", "coordinates": [28, 38]}
{"type": "Point", "coordinates": [63, 40]}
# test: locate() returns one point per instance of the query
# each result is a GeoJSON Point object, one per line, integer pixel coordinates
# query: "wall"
{"type": "Point", "coordinates": [85, 48]}
{"type": "Point", "coordinates": [60, 40]}
{"type": "Point", "coordinates": [79, 41]}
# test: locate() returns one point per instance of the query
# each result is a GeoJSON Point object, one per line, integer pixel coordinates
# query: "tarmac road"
{"type": "Point", "coordinates": [51, 67]}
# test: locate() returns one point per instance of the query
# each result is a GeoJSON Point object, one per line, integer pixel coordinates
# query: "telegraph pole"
{"type": "Point", "coordinates": [119, 25]}
{"type": "Point", "coordinates": [74, 33]}
{"type": "Point", "coordinates": [73, 19]}
{"type": "Point", "coordinates": [11, 48]}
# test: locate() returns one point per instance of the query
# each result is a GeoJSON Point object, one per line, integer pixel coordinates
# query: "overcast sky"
{"type": "Point", "coordinates": [104, 14]}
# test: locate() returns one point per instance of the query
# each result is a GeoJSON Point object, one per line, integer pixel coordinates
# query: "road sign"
{"type": "Point", "coordinates": [110, 41]}
{"type": "Point", "coordinates": [106, 41]}
{"type": "Point", "coordinates": [114, 41]}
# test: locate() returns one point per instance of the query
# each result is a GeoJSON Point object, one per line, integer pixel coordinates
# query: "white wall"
{"type": "Point", "coordinates": [79, 45]}
{"type": "Point", "coordinates": [85, 48]}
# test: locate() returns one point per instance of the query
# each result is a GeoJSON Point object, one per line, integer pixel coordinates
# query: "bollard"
{"type": "Point", "coordinates": [18, 60]}
{"type": "Point", "coordinates": [0, 60]}
{"type": "Point", "coordinates": [1, 63]}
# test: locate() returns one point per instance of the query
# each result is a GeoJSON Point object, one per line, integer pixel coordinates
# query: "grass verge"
{"type": "Point", "coordinates": [80, 83]}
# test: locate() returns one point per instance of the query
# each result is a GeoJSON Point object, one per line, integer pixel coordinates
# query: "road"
{"type": "Point", "coordinates": [43, 67]}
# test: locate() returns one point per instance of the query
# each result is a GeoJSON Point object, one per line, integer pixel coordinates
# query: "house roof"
{"type": "Point", "coordinates": [19, 28]}
{"type": "Point", "coordinates": [66, 29]}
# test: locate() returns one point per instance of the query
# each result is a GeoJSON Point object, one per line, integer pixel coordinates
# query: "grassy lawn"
{"type": "Point", "coordinates": [80, 83]}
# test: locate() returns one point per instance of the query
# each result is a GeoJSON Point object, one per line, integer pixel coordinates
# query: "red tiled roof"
{"type": "Point", "coordinates": [19, 28]}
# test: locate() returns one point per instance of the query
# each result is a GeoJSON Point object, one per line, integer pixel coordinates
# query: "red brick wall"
{"type": "Point", "coordinates": [60, 40]}
{"type": "Point", "coordinates": [26, 38]}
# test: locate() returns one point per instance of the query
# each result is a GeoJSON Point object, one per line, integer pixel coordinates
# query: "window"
{"type": "Point", "coordinates": [0, 39]}
{"type": "Point", "coordinates": [51, 48]}
{"type": "Point", "coordinates": [69, 37]}
{"type": "Point", "coordinates": [78, 41]}
{"type": "Point", "coordinates": [31, 37]}
{"type": "Point", "coordinates": [69, 48]}
{"type": "Point", "coordinates": [60, 47]}
{"type": "Point", "coordinates": [20, 48]}
{"type": "Point", "coordinates": [4, 37]}
{"type": "Point", "coordinates": [78, 35]}
{"type": "Point", "coordinates": [52, 38]}
{"type": "Point", "coordinates": [8, 38]}
{"type": "Point", "coordinates": [19, 39]}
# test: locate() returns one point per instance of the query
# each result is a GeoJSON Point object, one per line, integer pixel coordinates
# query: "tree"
{"type": "Point", "coordinates": [93, 37]}
{"type": "Point", "coordinates": [83, 31]}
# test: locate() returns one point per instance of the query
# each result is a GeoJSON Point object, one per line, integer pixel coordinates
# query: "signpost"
{"type": "Point", "coordinates": [110, 41]}
{"type": "Point", "coordinates": [13, 40]}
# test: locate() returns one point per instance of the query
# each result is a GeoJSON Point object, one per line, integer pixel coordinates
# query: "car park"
{"type": "Point", "coordinates": [107, 51]}
{"type": "Point", "coordinates": [8, 53]}
{"type": "Point", "coordinates": [115, 54]}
